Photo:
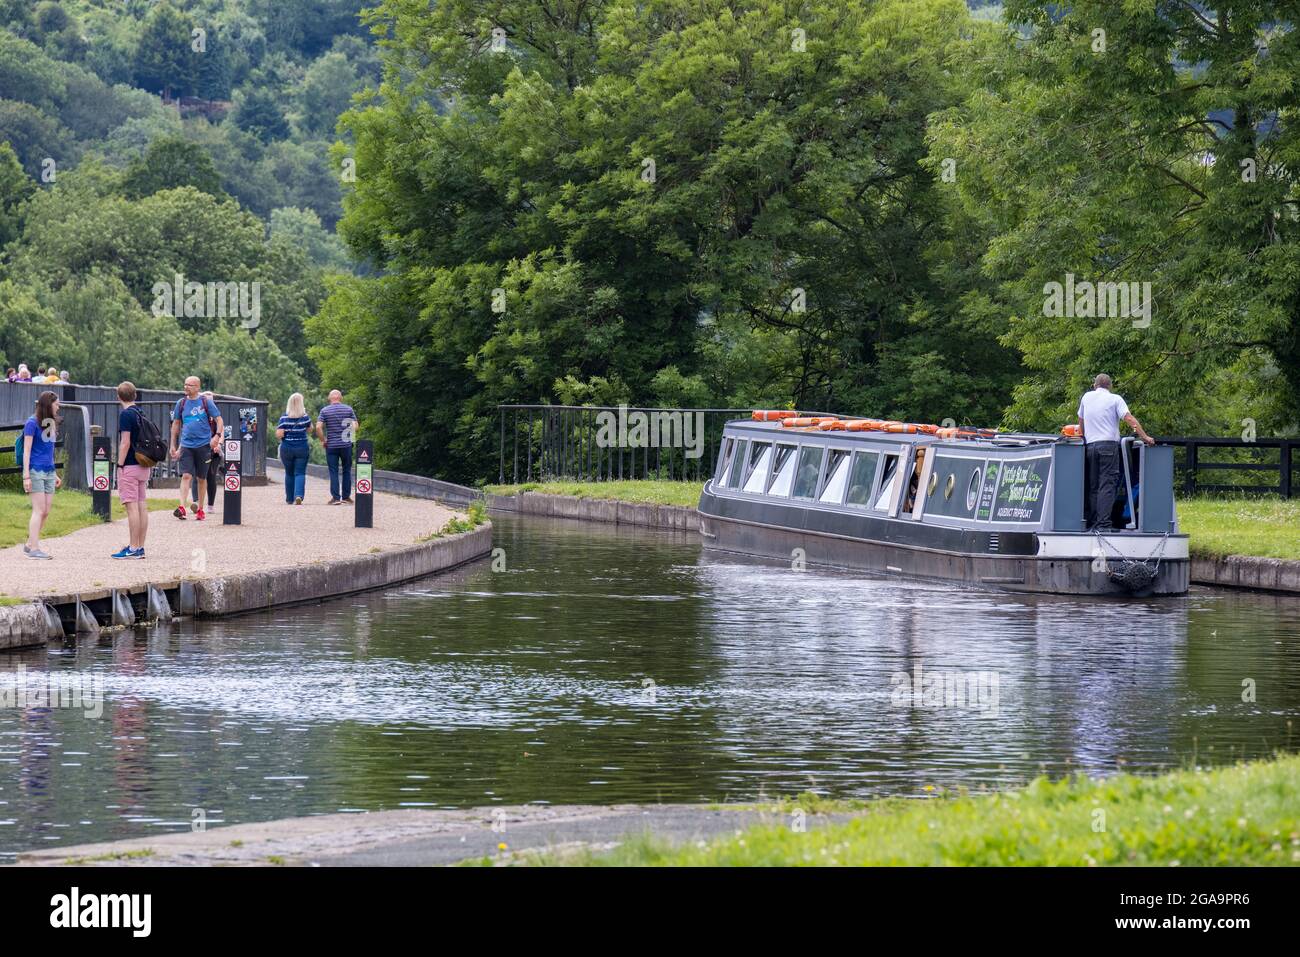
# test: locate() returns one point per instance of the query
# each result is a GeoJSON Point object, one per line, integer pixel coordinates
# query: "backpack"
{"type": "Point", "coordinates": [150, 448]}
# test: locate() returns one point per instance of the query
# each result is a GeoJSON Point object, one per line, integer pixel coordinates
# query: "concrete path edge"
{"type": "Point", "coordinates": [26, 625]}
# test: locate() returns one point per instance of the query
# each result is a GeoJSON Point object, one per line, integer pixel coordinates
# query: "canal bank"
{"type": "Point", "coordinates": [610, 511]}
{"type": "Point", "coordinates": [415, 838]}
{"type": "Point", "coordinates": [279, 555]}
{"type": "Point", "coordinates": [1246, 814]}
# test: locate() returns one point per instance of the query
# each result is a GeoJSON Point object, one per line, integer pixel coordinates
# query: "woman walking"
{"type": "Point", "coordinates": [292, 433]}
{"type": "Point", "coordinates": [39, 478]}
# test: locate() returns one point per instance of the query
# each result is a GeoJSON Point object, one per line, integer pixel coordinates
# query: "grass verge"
{"type": "Point", "coordinates": [475, 516]}
{"type": "Point", "coordinates": [1245, 814]}
{"type": "Point", "coordinates": [71, 511]}
{"type": "Point", "coordinates": [646, 492]}
{"type": "Point", "coordinates": [1264, 527]}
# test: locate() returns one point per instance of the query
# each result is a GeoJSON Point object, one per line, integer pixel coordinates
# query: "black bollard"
{"type": "Point", "coordinates": [364, 510]}
{"type": "Point", "coordinates": [232, 475]}
{"type": "Point", "coordinates": [101, 486]}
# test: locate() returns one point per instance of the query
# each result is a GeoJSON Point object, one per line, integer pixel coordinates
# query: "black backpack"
{"type": "Point", "coordinates": [150, 448]}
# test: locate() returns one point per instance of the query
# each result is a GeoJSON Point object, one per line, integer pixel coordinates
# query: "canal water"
{"type": "Point", "coordinates": [594, 664]}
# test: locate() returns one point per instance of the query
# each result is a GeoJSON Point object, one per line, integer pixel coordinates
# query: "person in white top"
{"type": "Point", "coordinates": [1100, 413]}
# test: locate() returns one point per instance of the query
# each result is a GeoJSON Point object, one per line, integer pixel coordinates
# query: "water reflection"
{"type": "Point", "coordinates": [625, 665]}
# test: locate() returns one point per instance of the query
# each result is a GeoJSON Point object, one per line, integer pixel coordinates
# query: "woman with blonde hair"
{"type": "Point", "coordinates": [292, 431]}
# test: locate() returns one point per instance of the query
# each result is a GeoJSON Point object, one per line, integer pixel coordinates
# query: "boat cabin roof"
{"type": "Point", "coordinates": [1005, 440]}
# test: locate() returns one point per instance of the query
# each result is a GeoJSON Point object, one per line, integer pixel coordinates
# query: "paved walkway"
{"type": "Point", "coordinates": [272, 535]}
{"type": "Point", "coordinates": [411, 838]}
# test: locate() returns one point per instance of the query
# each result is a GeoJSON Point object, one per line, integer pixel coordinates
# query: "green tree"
{"type": "Point", "coordinates": [15, 186]}
{"type": "Point", "coordinates": [302, 229]}
{"type": "Point", "coordinates": [672, 198]}
{"type": "Point", "coordinates": [1140, 143]}
{"type": "Point", "coordinates": [164, 60]}
{"type": "Point", "coordinates": [35, 136]}
{"type": "Point", "coordinates": [259, 113]}
{"type": "Point", "coordinates": [171, 163]}
{"type": "Point", "coordinates": [326, 91]}
{"type": "Point", "coordinates": [27, 327]}
{"type": "Point", "coordinates": [28, 74]}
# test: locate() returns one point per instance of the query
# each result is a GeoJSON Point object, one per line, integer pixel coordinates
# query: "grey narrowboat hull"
{"type": "Point", "coordinates": [915, 550]}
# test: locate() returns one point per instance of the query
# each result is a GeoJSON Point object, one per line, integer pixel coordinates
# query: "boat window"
{"type": "Point", "coordinates": [810, 466]}
{"type": "Point", "coordinates": [837, 477]}
{"type": "Point", "coordinates": [760, 454]}
{"type": "Point", "coordinates": [782, 471]}
{"type": "Point", "coordinates": [973, 490]}
{"type": "Point", "coordinates": [728, 445]}
{"type": "Point", "coordinates": [888, 479]}
{"type": "Point", "coordinates": [861, 478]}
{"type": "Point", "coordinates": [737, 464]}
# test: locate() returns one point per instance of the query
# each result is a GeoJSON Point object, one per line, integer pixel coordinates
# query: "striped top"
{"type": "Point", "coordinates": [336, 416]}
{"type": "Point", "coordinates": [295, 429]}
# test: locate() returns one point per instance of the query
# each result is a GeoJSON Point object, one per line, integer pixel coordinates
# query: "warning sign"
{"type": "Point", "coordinates": [232, 482]}
{"type": "Point", "coordinates": [364, 456]}
{"type": "Point", "coordinates": [101, 483]}
{"type": "Point", "coordinates": [363, 486]}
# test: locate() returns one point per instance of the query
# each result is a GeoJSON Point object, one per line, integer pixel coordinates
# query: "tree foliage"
{"type": "Point", "coordinates": [673, 198]}
{"type": "Point", "coordinates": [1155, 143]}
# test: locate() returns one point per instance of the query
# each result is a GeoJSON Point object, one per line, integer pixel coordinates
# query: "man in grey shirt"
{"type": "Point", "coordinates": [337, 428]}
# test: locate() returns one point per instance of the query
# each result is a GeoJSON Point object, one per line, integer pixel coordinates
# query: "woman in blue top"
{"type": "Point", "coordinates": [291, 430]}
{"type": "Point", "coordinates": [39, 478]}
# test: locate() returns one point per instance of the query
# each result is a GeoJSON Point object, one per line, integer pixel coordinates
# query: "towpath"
{"type": "Point", "coordinates": [272, 535]}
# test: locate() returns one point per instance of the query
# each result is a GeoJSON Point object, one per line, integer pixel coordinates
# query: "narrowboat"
{"type": "Point", "coordinates": [1004, 510]}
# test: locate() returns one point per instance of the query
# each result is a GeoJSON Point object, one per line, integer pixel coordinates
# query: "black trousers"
{"type": "Point", "coordinates": [1104, 478]}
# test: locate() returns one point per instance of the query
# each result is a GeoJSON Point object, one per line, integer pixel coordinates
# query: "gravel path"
{"type": "Point", "coordinates": [273, 535]}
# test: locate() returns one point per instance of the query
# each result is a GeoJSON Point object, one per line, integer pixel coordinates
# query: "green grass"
{"type": "Point", "coordinates": [1264, 527]}
{"type": "Point", "coordinates": [648, 492]}
{"type": "Point", "coordinates": [1246, 814]}
{"type": "Point", "coordinates": [475, 516]}
{"type": "Point", "coordinates": [71, 511]}
{"type": "Point", "coordinates": [141, 854]}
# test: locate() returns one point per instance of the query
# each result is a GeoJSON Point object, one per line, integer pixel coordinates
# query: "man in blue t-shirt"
{"type": "Point", "coordinates": [337, 428]}
{"type": "Point", "coordinates": [196, 433]}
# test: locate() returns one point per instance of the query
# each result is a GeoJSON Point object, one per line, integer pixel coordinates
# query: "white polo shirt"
{"type": "Point", "coordinates": [1101, 411]}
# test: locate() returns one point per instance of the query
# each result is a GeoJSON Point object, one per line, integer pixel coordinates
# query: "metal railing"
{"type": "Point", "coordinates": [1271, 457]}
{"type": "Point", "coordinates": [17, 467]}
{"type": "Point", "coordinates": [101, 409]}
{"type": "Point", "coordinates": [600, 443]}
{"type": "Point", "coordinates": [564, 442]}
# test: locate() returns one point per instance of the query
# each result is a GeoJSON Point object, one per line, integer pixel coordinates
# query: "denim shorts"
{"type": "Point", "coordinates": [42, 483]}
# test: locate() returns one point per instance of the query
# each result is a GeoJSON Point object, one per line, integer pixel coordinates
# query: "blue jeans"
{"type": "Point", "coordinates": [336, 458]}
{"type": "Point", "coordinates": [294, 460]}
